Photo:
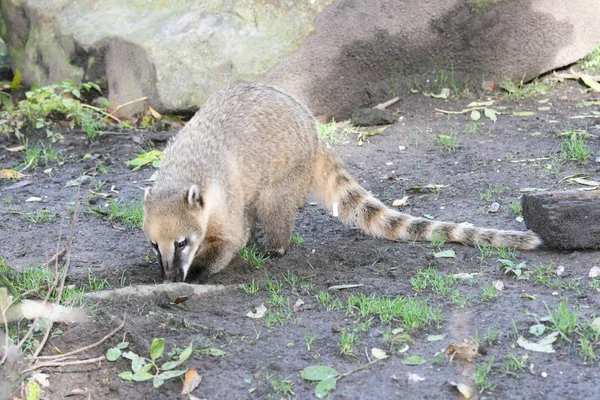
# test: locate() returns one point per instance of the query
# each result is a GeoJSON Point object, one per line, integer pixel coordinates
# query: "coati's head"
{"type": "Point", "coordinates": [175, 225]}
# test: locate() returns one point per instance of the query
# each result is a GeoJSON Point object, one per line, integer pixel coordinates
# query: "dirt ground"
{"type": "Point", "coordinates": [263, 357]}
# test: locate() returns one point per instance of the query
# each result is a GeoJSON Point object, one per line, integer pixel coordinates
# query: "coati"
{"type": "Point", "coordinates": [254, 152]}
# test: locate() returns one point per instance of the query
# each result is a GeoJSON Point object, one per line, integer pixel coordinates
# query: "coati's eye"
{"type": "Point", "coordinates": [182, 244]}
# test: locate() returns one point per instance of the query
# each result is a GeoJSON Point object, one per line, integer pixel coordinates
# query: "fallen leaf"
{"type": "Point", "coordinates": [543, 346]}
{"type": "Point", "coordinates": [155, 114]}
{"type": "Point", "coordinates": [445, 254]}
{"type": "Point", "coordinates": [379, 354]}
{"type": "Point", "coordinates": [475, 115]}
{"type": "Point", "coordinates": [79, 181]}
{"type": "Point", "coordinates": [444, 93]}
{"type": "Point", "coordinates": [346, 286]}
{"type": "Point", "coordinates": [400, 202]}
{"type": "Point", "coordinates": [426, 189]}
{"type": "Point", "coordinates": [259, 312]}
{"type": "Point", "coordinates": [499, 285]}
{"type": "Point", "coordinates": [42, 379]}
{"type": "Point", "coordinates": [560, 270]}
{"type": "Point", "coordinates": [414, 360]}
{"type": "Point", "coordinates": [595, 325]}
{"type": "Point", "coordinates": [191, 382]}
{"type": "Point", "coordinates": [464, 389]}
{"type": "Point", "coordinates": [298, 305]}
{"type": "Point", "coordinates": [543, 108]}
{"type": "Point", "coordinates": [491, 114]}
{"type": "Point", "coordinates": [464, 351]}
{"type": "Point", "coordinates": [591, 82]}
{"type": "Point", "coordinates": [481, 103]}
{"type": "Point", "coordinates": [523, 113]}
{"type": "Point", "coordinates": [594, 272]}
{"type": "Point", "coordinates": [180, 299]}
{"type": "Point", "coordinates": [466, 275]}
{"type": "Point", "coordinates": [415, 377]}
{"type": "Point", "coordinates": [436, 338]}
{"type": "Point", "coordinates": [33, 199]}
{"type": "Point", "coordinates": [318, 373]}
{"type": "Point", "coordinates": [15, 149]}
{"type": "Point", "coordinates": [494, 207]}
{"type": "Point", "coordinates": [10, 174]}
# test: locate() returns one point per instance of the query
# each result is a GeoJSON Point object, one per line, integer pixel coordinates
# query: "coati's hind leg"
{"type": "Point", "coordinates": [277, 212]}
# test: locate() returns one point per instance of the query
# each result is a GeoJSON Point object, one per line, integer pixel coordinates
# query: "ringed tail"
{"type": "Point", "coordinates": [333, 184]}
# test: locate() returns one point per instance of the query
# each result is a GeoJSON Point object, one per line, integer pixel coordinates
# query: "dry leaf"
{"type": "Point", "coordinates": [155, 114]}
{"type": "Point", "coordinates": [400, 202]}
{"type": "Point", "coordinates": [191, 382]}
{"type": "Point", "coordinates": [298, 306]}
{"type": "Point", "coordinates": [594, 272]}
{"type": "Point", "coordinates": [15, 149]}
{"type": "Point", "coordinates": [465, 390]}
{"type": "Point", "coordinates": [259, 312]}
{"type": "Point", "coordinates": [10, 174]}
{"type": "Point", "coordinates": [379, 354]}
{"type": "Point", "coordinates": [465, 351]}
{"type": "Point", "coordinates": [543, 346]}
{"type": "Point", "coordinates": [560, 270]}
{"type": "Point", "coordinates": [180, 299]}
{"type": "Point", "coordinates": [499, 285]}
{"type": "Point", "coordinates": [415, 377]}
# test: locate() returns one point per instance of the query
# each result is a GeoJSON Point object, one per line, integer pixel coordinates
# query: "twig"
{"type": "Point", "coordinates": [99, 342]}
{"type": "Point", "coordinates": [6, 333]}
{"type": "Point", "coordinates": [388, 103]}
{"type": "Point", "coordinates": [127, 104]}
{"type": "Point", "coordinates": [55, 258]}
{"type": "Point", "coordinates": [64, 363]}
{"type": "Point", "coordinates": [101, 111]}
{"type": "Point", "coordinates": [530, 160]}
{"type": "Point", "coordinates": [64, 276]}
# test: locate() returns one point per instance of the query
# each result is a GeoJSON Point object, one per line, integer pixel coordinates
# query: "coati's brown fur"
{"type": "Point", "coordinates": [254, 152]}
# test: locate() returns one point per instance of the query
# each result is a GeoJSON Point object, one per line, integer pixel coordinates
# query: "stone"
{"type": "Point", "coordinates": [564, 220]}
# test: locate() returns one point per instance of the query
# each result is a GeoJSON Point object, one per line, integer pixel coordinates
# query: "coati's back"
{"type": "Point", "coordinates": [247, 135]}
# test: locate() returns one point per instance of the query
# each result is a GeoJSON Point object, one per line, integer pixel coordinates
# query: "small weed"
{"type": "Point", "coordinates": [521, 90]}
{"type": "Point", "coordinates": [592, 60]}
{"type": "Point", "coordinates": [94, 284]}
{"type": "Point", "coordinates": [290, 278]}
{"type": "Point", "coordinates": [278, 316]}
{"type": "Point", "coordinates": [130, 214]}
{"type": "Point", "coordinates": [489, 292]}
{"type": "Point", "coordinates": [472, 128]}
{"type": "Point", "coordinates": [282, 386]}
{"type": "Point", "coordinates": [438, 239]}
{"type": "Point", "coordinates": [514, 365]}
{"type": "Point", "coordinates": [573, 147]}
{"type": "Point", "coordinates": [328, 131]}
{"type": "Point", "coordinates": [141, 367]}
{"type": "Point", "coordinates": [328, 301]}
{"type": "Point", "coordinates": [309, 339]}
{"type": "Point", "coordinates": [449, 142]}
{"type": "Point", "coordinates": [564, 320]}
{"type": "Point", "coordinates": [490, 192]}
{"type": "Point", "coordinates": [252, 287]}
{"type": "Point", "coordinates": [347, 341]}
{"type": "Point", "coordinates": [297, 240]}
{"type": "Point", "coordinates": [459, 299]}
{"type": "Point", "coordinates": [586, 350]}
{"type": "Point", "coordinates": [507, 253]}
{"type": "Point", "coordinates": [514, 207]}
{"type": "Point", "coordinates": [509, 267]}
{"type": "Point", "coordinates": [431, 278]}
{"type": "Point", "coordinates": [253, 257]}
{"type": "Point", "coordinates": [485, 252]}
{"type": "Point", "coordinates": [273, 285]}
{"type": "Point", "coordinates": [41, 216]}
{"type": "Point", "coordinates": [481, 376]}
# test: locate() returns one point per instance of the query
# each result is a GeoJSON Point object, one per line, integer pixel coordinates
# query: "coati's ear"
{"type": "Point", "coordinates": [194, 197]}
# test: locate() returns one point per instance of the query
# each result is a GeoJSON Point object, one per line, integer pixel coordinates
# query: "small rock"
{"type": "Point", "coordinates": [494, 207]}
{"type": "Point", "coordinates": [33, 199]}
{"type": "Point", "coordinates": [372, 116]}
{"type": "Point", "coordinates": [544, 374]}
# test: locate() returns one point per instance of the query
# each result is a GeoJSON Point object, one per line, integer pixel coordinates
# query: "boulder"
{"type": "Point", "coordinates": [336, 56]}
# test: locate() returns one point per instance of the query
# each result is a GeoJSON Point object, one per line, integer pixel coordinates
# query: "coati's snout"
{"type": "Point", "coordinates": [175, 227]}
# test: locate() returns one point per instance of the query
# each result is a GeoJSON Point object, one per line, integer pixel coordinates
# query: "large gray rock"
{"type": "Point", "coordinates": [336, 56]}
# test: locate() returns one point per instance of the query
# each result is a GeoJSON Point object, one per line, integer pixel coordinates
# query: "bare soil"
{"type": "Point", "coordinates": [509, 155]}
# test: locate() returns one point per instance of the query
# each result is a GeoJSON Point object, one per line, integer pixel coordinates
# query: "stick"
{"type": "Point", "coordinates": [99, 342]}
{"type": "Point", "coordinates": [55, 258]}
{"type": "Point", "coordinates": [388, 103]}
{"type": "Point", "coordinates": [101, 111]}
{"type": "Point", "coordinates": [64, 363]}
{"type": "Point", "coordinates": [127, 104]}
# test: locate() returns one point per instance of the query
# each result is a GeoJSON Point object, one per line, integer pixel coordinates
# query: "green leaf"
{"type": "Point", "coordinates": [157, 382]}
{"type": "Point", "coordinates": [113, 354]}
{"type": "Point", "coordinates": [318, 373]}
{"type": "Point", "coordinates": [538, 329]}
{"type": "Point", "coordinates": [475, 115]}
{"type": "Point", "coordinates": [123, 345]}
{"type": "Point", "coordinates": [435, 338]}
{"type": "Point", "coordinates": [130, 355]}
{"type": "Point", "coordinates": [588, 80]}
{"type": "Point", "coordinates": [33, 390]}
{"type": "Point", "coordinates": [151, 157]}
{"type": "Point", "coordinates": [169, 365]}
{"type": "Point", "coordinates": [171, 374]}
{"type": "Point", "coordinates": [141, 376]}
{"type": "Point", "coordinates": [185, 354]}
{"type": "Point", "coordinates": [325, 387]}
{"type": "Point", "coordinates": [126, 376]}
{"type": "Point", "coordinates": [414, 360]}
{"type": "Point", "coordinates": [157, 348]}
{"type": "Point", "coordinates": [137, 364]}
{"type": "Point", "coordinates": [216, 352]}
{"type": "Point", "coordinates": [491, 114]}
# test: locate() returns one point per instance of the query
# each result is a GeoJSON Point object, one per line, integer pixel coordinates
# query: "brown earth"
{"type": "Point", "coordinates": [511, 154]}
